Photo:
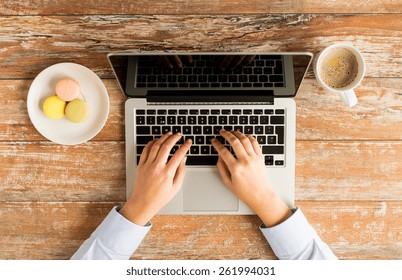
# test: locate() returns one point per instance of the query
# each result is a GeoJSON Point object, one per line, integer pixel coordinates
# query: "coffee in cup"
{"type": "Point", "coordinates": [340, 68]}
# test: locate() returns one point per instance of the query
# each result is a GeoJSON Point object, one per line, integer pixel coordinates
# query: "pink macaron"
{"type": "Point", "coordinates": [67, 89]}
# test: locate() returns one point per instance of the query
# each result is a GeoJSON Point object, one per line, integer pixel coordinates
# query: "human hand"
{"type": "Point", "coordinates": [231, 62]}
{"type": "Point", "coordinates": [158, 180]}
{"type": "Point", "coordinates": [172, 61]}
{"type": "Point", "coordinates": [246, 177]}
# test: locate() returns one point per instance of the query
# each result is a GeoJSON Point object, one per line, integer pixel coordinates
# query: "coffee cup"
{"type": "Point", "coordinates": [340, 68]}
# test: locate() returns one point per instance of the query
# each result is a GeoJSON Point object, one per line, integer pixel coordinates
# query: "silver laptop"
{"type": "Point", "coordinates": [199, 94]}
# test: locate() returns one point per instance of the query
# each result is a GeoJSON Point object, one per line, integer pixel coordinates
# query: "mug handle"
{"type": "Point", "coordinates": [348, 97]}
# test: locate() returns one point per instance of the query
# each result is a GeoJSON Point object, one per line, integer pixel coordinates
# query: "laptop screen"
{"type": "Point", "coordinates": [230, 75]}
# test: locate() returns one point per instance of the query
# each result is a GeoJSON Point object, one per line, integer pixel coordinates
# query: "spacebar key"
{"type": "Point", "coordinates": [202, 160]}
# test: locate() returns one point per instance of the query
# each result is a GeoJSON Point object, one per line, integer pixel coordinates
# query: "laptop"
{"type": "Point", "coordinates": [198, 94]}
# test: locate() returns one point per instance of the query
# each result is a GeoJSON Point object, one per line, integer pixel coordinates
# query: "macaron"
{"type": "Point", "coordinates": [67, 89]}
{"type": "Point", "coordinates": [77, 111]}
{"type": "Point", "coordinates": [53, 107]}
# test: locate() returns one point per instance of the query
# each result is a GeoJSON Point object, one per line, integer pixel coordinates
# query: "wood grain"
{"type": "Point", "coordinates": [379, 110]}
{"type": "Point", "coordinates": [31, 43]}
{"type": "Point", "coordinates": [325, 170]}
{"type": "Point", "coordinates": [144, 7]}
{"type": "Point", "coordinates": [353, 230]}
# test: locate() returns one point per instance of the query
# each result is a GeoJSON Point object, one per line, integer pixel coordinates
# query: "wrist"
{"type": "Point", "coordinates": [272, 210]}
{"type": "Point", "coordinates": [136, 213]}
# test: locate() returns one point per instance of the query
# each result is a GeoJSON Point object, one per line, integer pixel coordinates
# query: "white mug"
{"type": "Point", "coordinates": [346, 93]}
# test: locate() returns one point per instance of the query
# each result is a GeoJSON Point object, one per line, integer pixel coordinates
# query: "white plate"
{"type": "Point", "coordinates": [63, 131]}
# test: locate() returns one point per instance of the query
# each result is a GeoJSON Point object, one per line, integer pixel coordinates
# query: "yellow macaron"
{"type": "Point", "coordinates": [54, 107]}
{"type": "Point", "coordinates": [77, 111]}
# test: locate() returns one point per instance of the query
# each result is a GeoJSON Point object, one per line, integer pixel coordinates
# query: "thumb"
{"type": "Point", "coordinates": [179, 176]}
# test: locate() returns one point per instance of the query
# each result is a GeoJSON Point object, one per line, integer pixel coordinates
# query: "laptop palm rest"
{"type": "Point", "coordinates": [203, 190]}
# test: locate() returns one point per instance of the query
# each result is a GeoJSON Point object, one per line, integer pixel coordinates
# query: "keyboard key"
{"type": "Point", "coordinates": [156, 130]}
{"type": "Point", "coordinates": [171, 119]}
{"type": "Point", "coordinates": [205, 150]}
{"type": "Point", "coordinates": [150, 119]}
{"type": "Point", "coordinates": [280, 131]}
{"type": "Point", "coordinates": [202, 160]}
{"type": "Point", "coordinates": [271, 139]}
{"type": "Point", "coordinates": [207, 129]}
{"type": "Point", "coordinates": [223, 120]}
{"type": "Point", "coordinates": [272, 150]}
{"type": "Point", "coordinates": [279, 162]}
{"type": "Point", "coordinates": [212, 120]}
{"type": "Point", "coordinates": [277, 120]}
{"type": "Point", "coordinates": [140, 149]}
{"type": "Point", "coordinates": [140, 112]}
{"type": "Point", "coordinates": [199, 140]}
{"type": "Point", "coordinates": [144, 139]}
{"type": "Point", "coordinates": [143, 130]}
{"type": "Point", "coordinates": [269, 129]}
{"type": "Point", "coordinates": [183, 112]}
{"type": "Point", "coordinates": [197, 130]}
{"type": "Point", "coordinates": [186, 130]}
{"type": "Point", "coordinates": [160, 120]}
{"type": "Point", "coordinates": [140, 120]}
{"type": "Point", "coordinates": [194, 150]}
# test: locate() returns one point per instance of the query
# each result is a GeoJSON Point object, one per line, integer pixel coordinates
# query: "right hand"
{"type": "Point", "coordinates": [245, 176]}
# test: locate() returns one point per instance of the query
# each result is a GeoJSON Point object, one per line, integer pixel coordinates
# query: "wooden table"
{"type": "Point", "coordinates": [349, 161]}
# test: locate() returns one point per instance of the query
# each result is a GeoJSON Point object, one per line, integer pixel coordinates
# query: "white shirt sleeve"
{"type": "Point", "coordinates": [115, 238]}
{"type": "Point", "coordinates": [295, 239]}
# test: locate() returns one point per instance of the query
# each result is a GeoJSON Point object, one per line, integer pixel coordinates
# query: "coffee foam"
{"type": "Point", "coordinates": [339, 68]}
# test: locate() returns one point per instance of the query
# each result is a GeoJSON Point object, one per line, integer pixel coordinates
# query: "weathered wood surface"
{"type": "Point", "coordinates": [354, 230]}
{"type": "Point", "coordinates": [325, 170]}
{"type": "Point", "coordinates": [320, 115]}
{"type": "Point", "coordinates": [31, 43]}
{"type": "Point", "coordinates": [144, 7]}
{"type": "Point", "coordinates": [349, 161]}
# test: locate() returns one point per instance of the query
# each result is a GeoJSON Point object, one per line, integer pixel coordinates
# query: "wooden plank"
{"type": "Point", "coordinates": [87, 39]}
{"type": "Point", "coordinates": [41, 171]}
{"type": "Point", "coordinates": [353, 230]}
{"type": "Point", "coordinates": [320, 115]}
{"type": "Point", "coordinates": [143, 7]}
{"type": "Point", "coordinates": [95, 171]}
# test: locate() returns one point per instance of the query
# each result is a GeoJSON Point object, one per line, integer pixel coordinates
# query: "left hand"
{"type": "Point", "coordinates": [158, 179]}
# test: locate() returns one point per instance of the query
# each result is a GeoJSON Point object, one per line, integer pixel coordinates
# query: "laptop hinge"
{"type": "Point", "coordinates": [211, 96]}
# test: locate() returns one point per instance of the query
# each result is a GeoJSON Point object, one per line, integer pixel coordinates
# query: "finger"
{"type": "Point", "coordinates": [224, 172]}
{"type": "Point", "coordinates": [166, 63]}
{"type": "Point", "coordinates": [227, 59]}
{"type": "Point", "coordinates": [179, 176]}
{"type": "Point", "coordinates": [153, 153]}
{"type": "Point", "coordinates": [245, 140]}
{"type": "Point", "coordinates": [187, 59]}
{"type": "Point", "coordinates": [176, 61]}
{"type": "Point", "coordinates": [223, 152]}
{"type": "Point", "coordinates": [236, 61]}
{"type": "Point", "coordinates": [235, 142]}
{"type": "Point", "coordinates": [247, 60]}
{"type": "Point", "coordinates": [145, 152]}
{"type": "Point", "coordinates": [256, 146]}
{"type": "Point", "coordinates": [178, 156]}
{"type": "Point", "coordinates": [166, 147]}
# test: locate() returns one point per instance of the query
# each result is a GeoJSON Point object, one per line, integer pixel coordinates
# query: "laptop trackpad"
{"type": "Point", "coordinates": [204, 191]}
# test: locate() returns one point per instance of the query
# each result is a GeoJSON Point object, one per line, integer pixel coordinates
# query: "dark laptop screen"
{"type": "Point", "coordinates": [275, 75]}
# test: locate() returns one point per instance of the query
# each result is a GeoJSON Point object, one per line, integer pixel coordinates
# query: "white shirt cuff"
{"type": "Point", "coordinates": [296, 239]}
{"type": "Point", "coordinates": [115, 238]}
{"type": "Point", "coordinates": [119, 234]}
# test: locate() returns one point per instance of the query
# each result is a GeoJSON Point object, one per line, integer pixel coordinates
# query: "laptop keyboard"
{"type": "Point", "coordinates": [264, 71]}
{"type": "Point", "coordinates": [202, 125]}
